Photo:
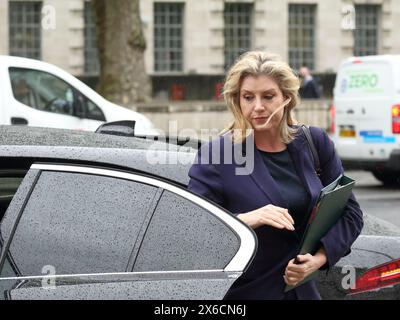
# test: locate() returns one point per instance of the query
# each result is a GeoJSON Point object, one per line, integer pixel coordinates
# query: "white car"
{"type": "Point", "coordinates": [39, 94]}
{"type": "Point", "coordinates": [367, 122]}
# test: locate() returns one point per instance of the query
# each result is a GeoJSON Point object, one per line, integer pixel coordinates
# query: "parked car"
{"type": "Point", "coordinates": [94, 216]}
{"type": "Point", "coordinates": [36, 93]}
{"type": "Point", "coordinates": [368, 252]}
{"type": "Point", "coordinates": [89, 209]}
{"type": "Point", "coordinates": [367, 120]}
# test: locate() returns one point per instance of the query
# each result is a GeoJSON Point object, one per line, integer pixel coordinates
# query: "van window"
{"type": "Point", "coordinates": [42, 91]}
{"type": "Point", "coordinates": [87, 109]}
{"type": "Point", "coordinates": [363, 80]}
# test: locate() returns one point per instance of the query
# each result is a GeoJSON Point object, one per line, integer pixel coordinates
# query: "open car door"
{"type": "Point", "coordinates": [81, 232]}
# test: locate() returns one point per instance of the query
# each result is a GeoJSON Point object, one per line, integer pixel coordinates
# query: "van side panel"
{"type": "Point", "coordinates": [365, 91]}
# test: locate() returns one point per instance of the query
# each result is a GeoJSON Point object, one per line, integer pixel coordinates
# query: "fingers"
{"type": "Point", "coordinates": [278, 215]}
{"type": "Point", "coordinates": [276, 222]}
{"type": "Point", "coordinates": [285, 213]}
{"type": "Point", "coordinates": [295, 273]}
{"type": "Point", "coordinates": [301, 268]}
{"type": "Point", "coordinates": [304, 257]}
{"type": "Point", "coordinates": [271, 215]}
{"type": "Point", "coordinates": [273, 223]}
{"type": "Point", "coordinates": [282, 212]}
{"type": "Point", "coordinates": [293, 278]}
{"type": "Point", "coordinates": [288, 216]}
{"type": "Point", "coordinates": [290, 281]}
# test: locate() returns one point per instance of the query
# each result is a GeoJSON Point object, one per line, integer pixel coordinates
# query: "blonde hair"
{"type": "Point", "coordinates": [255, 63]}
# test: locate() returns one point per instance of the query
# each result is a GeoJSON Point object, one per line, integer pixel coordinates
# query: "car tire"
{"type": "Point", "coordinates": [389, 178]}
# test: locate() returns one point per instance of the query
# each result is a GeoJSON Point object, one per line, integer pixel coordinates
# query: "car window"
{"type": "Point", "coordinates": [94, 112]}
{"type": "Point", "coordinates": [42, 90]}
{"type": "Point", "coordinates": [80, 223]}
{"type": "Point", "coordinates": [184, 236]}
{"type": "Point", "coordinates": [8, 187]}
{"type": "Point", "coordinates": [87, 109]}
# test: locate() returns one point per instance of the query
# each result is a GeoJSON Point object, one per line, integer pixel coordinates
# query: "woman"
{"type": "Point", "coordinates": [277, 187]}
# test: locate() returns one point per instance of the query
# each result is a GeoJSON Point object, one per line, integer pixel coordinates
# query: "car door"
{"type": "Point", "coordinates": [74, 232]}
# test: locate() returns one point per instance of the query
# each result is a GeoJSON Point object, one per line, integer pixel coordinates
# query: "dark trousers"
{"type": "Point", "coordinates": [290, 295]}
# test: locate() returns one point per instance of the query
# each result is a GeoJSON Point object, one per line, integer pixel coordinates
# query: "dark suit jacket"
{"type": "Point", "coordinates": [310, 90]}
{"type": "Point", "coordinates": [242, 193]}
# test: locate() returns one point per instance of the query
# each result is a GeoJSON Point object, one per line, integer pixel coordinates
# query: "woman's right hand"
{"type": "Point", "coordinates": [271, 215]}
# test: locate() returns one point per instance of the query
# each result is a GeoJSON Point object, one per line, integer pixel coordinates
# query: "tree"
{"type": "Point", "coordinates": [121, 45]}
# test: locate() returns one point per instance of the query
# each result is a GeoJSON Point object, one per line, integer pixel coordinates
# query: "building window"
{"type": "Point", "coordinates": [367, 28]}
{"type": "Point", "coordinates": [302, 35]}
{"type": "Point", "coordinates": [237, 32]}
{"type": "Point", "coordinates": [92, 66]}
{"type": "Point", "coordinates": [25, 29]}
{"type": "Point", "coordinates": [168, 26]}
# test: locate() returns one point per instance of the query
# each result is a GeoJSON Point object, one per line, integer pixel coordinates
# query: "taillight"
{"type": "Point", "coordinates": [332, 113]}
{"type": "Point", "coordinates": [384, 275]}
{"type": "Point", "coordinates": [396, 118]}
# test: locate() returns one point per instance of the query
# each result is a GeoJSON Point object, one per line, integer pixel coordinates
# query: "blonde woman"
{"type": "Point", "coordinates": [278, 186]}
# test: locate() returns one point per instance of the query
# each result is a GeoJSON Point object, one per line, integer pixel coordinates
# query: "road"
{"type": "Point", "coordinates": [375, 199]}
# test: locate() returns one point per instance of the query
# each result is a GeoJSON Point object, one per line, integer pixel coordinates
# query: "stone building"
{"type": "Point", "coordinates": [190, 43]}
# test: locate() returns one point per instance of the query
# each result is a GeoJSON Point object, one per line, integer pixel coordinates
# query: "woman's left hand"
{"type": "Point", "coordinates": [295, 273]}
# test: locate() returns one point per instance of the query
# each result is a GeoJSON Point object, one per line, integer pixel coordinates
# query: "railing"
{"type": "Point", "coordinates": [188, 118]}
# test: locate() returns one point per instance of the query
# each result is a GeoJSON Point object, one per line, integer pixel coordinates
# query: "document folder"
{"type": "Point", "coordinates": [326, 212]}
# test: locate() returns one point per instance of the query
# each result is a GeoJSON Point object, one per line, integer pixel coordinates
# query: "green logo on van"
{"type": "Point", "coordinates": [365, 80]}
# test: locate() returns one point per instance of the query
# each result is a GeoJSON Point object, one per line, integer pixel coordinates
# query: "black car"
{"type": "Point", "coordinates": [98, 216]}
{"type": "Point", "coordinates": [86, 214]}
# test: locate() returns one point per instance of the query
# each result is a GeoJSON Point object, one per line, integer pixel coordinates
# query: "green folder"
{"type": "Point", "coordinates": [329, 208]}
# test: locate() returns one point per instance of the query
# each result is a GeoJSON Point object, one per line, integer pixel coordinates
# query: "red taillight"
{"type": "Point", "coordinates": [396, 118]}
{"type": "Point", "coordinates": [357, 61]}
{"type": "Point", "coordinates": [332, 113]}
{"type": "Point", "coordinates": [385, 275]}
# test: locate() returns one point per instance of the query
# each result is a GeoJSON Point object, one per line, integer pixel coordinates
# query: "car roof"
{"type": "Point", "coordinates": [165, 160]}
{"type": "Point", "coordinates": [25, 62]}
{"type": "Point", "coordinates": [374, 58]}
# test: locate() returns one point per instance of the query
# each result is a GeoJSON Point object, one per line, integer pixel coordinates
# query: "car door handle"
{"type": "Point", "coordinates": [20, 121]}
{"type": "Point", "coordinates": [350, 111]}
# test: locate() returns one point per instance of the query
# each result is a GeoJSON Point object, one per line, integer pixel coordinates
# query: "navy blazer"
{"type": "Point", "coordinates": [214, 176]}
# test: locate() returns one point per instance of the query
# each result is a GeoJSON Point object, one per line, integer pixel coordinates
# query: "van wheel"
{"type": "Point", "coordinates": [389, 178]}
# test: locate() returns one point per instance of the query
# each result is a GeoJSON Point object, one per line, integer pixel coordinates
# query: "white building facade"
{"type": "Point", "coordinates": [192, 43]}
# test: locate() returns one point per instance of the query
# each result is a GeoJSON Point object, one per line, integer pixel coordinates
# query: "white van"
{"type": "Point", "coordinates": [367, 120]}
{"type": "Point", "coordinates": [39, 94]}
